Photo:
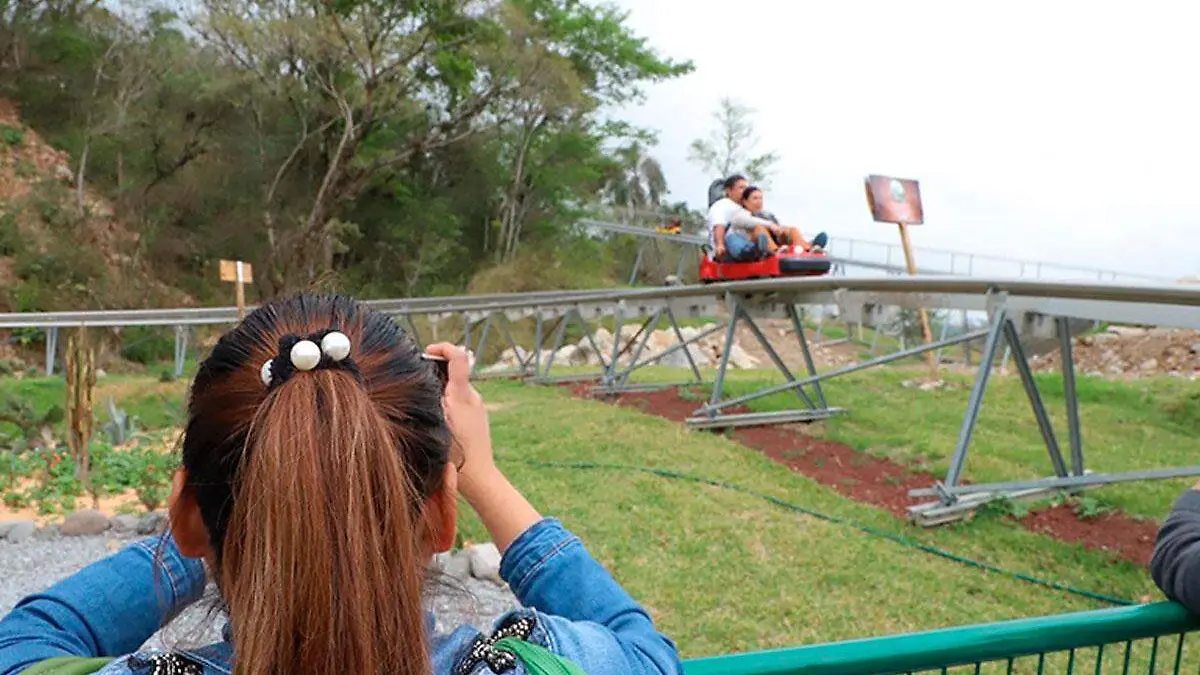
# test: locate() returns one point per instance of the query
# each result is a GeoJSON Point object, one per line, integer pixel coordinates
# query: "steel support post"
{"type": "Point", "coordinates": [506, 331]}
{"type": "Point", "coordinates": [560, 334]}
{"type": "Point", "coordinates": [637, 263]}
{"type": "Point", "coordinates": [483, 336]}
{"type": "Point", "coordinates": [51, 349]}
{"type": "Point", "coordinates": [467, 330]}
{"type": "Point", "coordinates": [591, 338]}
{"type": "Point", "coordinates": [536, 356]}
{"type": "Point", "coordinates": [618, 323]}
{"type": "Point", "coordinates": [1035, 398]}
{"type": "Point", "coordinates": [1071, 395]}
{"type": "Point", "coordinates": [181, 345]}
{"type": "Point", "coordinates": [412, 326]}
{"type": "Point", "coordinates": [966, 325]}
{"type": "Point", "coordinates": [649, 327]}
{"type": "Point", "coordinates": [941, 338]}
{"type": "Point", "coordinates": [809, 365]}
{"type": "Point", "coordinates": [990, 349]}
{"type": "Point", "coordinates": [732, 307]}
{"type": "Point", "coordinates": [687, 351]}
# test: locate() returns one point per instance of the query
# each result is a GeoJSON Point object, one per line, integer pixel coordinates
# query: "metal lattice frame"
{"type": "Point", "coordinates": [1021, 313]}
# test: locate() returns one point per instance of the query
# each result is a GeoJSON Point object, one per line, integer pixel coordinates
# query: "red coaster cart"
{"type": "Point", "coordinates": [792, 262]}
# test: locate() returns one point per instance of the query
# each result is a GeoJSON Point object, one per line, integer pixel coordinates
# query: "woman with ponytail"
{"type": "Point", "coordinates": [322, 462]}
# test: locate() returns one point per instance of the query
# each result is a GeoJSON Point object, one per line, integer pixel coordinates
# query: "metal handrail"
{"type": "Point", "coordinates": [963, 646]}
{"type": "Point", "coordinates": [1179, 295]}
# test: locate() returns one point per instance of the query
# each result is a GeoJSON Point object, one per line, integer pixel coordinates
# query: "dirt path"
{"type": "Point", "coordinates": [884, 483]}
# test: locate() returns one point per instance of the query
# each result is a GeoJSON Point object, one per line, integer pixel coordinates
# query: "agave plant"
{"type": "Point", "coordinates": [121, 427]}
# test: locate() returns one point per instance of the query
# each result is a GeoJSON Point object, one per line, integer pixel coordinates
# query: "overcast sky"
{"type": "Point", "coordinates": [1060, 131]}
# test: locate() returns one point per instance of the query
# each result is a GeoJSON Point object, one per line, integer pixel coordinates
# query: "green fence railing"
{"type": "Point", "coordinates": [1140, 639]}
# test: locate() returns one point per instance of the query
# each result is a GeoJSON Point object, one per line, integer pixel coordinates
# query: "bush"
{"type": "Point", "coordinates": [10, 234]}
{"type": "Point", "coordinates": [147, 345]}
{"type": "Point", "coordinates": [12, 136]}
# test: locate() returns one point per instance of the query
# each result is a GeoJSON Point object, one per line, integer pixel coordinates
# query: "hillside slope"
{"type": "Point", "coordinates": [53, 255]}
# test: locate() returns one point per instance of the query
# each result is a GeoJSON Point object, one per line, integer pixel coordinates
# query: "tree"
{"type": "Point", "coordinates": [636, 180]}
{"type": "Point", "coordinates": [730, 147]}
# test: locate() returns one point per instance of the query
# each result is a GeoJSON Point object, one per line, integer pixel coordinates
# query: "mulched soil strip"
{"type": "Point", "coordinates": [884, 483]}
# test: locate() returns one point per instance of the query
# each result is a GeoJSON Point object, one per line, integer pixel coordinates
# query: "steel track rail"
{"type": "Point", "coordinates": [1093, 292]}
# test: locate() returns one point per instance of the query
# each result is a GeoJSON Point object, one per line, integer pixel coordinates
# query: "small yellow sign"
{"type": "Point", "coordinates": [237, 271]}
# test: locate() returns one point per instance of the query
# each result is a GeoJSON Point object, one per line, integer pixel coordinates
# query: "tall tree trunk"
{"type": "Point", "coordinates": [79, 175]}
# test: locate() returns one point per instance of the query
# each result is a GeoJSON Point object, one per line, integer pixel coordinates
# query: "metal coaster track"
{"type": "Point", "coordinates": [1019, 312]}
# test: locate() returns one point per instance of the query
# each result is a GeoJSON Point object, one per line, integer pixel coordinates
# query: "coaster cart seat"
{"type": "Point", "coordinates": [787, 262]}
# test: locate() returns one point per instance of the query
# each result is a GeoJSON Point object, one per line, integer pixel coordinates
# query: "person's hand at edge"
{"type": "Point", "coordinates": [501, 507]}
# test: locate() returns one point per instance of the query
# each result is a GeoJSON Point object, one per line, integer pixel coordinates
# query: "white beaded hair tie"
{"type": "Point", "coordinates": [305, 355]}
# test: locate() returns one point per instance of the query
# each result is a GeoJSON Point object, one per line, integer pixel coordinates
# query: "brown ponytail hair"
{"type": "Point", "coordinates": [312, 491]}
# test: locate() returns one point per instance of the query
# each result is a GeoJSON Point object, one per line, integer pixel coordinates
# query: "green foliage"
{"type": "Point", "coordinates": [147, 345]}
{"type": "Point", "coordinates": [349, 168]}
{"type": "Point", "coordinates": [10, 234]}
{"type": "Point", "coordinates": [1184, 410]}
{"type": "Point", "coordinates": [121, 427]}
{"type": "Point", "coordinates": [11, 136]}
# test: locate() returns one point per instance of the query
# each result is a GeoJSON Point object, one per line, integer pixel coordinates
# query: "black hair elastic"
{"type": "Point", "coordinates": [329, 348]}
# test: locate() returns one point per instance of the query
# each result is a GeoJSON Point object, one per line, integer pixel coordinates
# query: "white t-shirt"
{"type": "Point", "coordinates": [720, 213]}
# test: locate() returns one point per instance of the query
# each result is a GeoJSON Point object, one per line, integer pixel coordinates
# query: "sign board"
{"type": "Point", "coordinates": [229, 271]}
{"type": "Point", "coordinates": [894, 200]}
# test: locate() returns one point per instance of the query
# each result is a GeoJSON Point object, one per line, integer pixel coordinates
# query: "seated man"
{"type": "Point", "coordinates": [752, 201]}
{"type": "Point", "coordinates": [733, 234]}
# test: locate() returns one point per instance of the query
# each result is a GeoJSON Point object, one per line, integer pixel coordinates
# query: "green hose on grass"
{"type": "Point", "coordinates": [866, 529]}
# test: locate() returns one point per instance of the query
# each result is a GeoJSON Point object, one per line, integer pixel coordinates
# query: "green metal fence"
{"type": "Point", "coordinates": [1151, 639]}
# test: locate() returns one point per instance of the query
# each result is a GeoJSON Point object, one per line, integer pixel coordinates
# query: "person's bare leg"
{"type": "Point", "coordinates": [793, 236]}
{"type": "Point", "coordinates": [762, 230]}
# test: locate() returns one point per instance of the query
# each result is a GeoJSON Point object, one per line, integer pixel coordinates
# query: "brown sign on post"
{"type": "Point", "coordinates": [895, 200]}
{"type": "Point", "coordinates": [898, 200]}
{"type": "Point", "coordinates": [239, 273]}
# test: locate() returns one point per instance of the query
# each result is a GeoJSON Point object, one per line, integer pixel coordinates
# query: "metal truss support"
{"type": "Point", "coordinates": [710, 416]}
{"type": "Point", "coordinates": [621, 382]}
{"type": "Point", "coordinates": [637, 262]}
{"type": "Point", "coordinates": [709, 409]}
{"type": "Point", "coordinates": [975, 400]}
{"type": "Point", "coordinates": [956, 501]}
{"type": "Point", "coordinates": [1071, 395]}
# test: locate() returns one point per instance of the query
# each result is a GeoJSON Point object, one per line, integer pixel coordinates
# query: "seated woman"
{"type": "Point", "coordinates": [752, 201]}
{"type": "Point", "coordinates": [321, 467]}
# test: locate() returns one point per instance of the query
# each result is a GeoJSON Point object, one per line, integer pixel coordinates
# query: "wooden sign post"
{"type": "Point", "coordinates": [240, 273]}
{"type": "Point", "coordinates": [898, 200]}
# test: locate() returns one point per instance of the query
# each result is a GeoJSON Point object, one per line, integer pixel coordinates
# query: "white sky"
{"type": "Point", "coordinates": [1055, 130]}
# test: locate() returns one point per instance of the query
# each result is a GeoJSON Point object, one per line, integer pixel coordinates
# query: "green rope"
{"type": "Point", "coordinates": [874, 532]}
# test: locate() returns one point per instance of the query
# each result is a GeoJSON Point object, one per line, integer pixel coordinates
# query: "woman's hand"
{"type": "Point", "coordinates": [466, 414]}
{"type": "Point", "coordinates": [501, 507]}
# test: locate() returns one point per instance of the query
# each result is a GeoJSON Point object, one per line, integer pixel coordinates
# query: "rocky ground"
{"type": "Point", "coordinates": [747, 352]}
{"type": "Point", "coordinates": [1129, 352]}
{"type": "Point", "coordinates": [467, 590]}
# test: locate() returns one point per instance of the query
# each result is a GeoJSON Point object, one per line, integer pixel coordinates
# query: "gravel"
{"type": "Point", "coordinates": [36, 564]}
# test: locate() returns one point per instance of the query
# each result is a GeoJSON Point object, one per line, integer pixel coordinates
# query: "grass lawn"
{"type": "Point", "coordinates": [1141, 425]}
{"type": "Point", "coordinates": [728, 572]}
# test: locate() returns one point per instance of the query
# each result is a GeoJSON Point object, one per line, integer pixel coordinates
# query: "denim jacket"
{"type": "Point", "coordinates": [571, 605]}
